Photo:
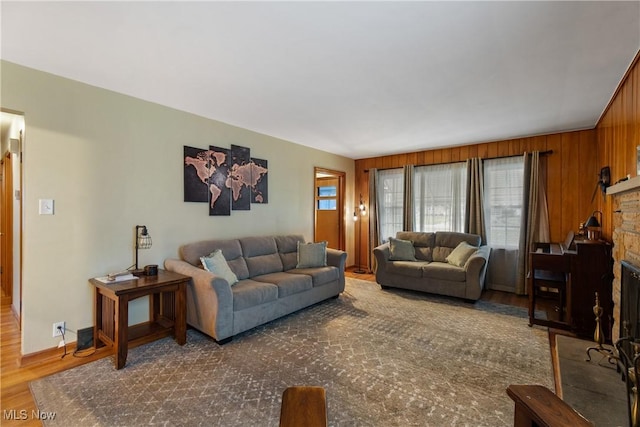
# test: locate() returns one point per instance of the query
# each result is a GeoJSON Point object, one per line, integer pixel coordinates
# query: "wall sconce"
{"type": "Point", "coordinates": [594, 226]}
{"type": "Point", "coordinates": [361, 210]}
{"type": "Point", "coordinates": [143, 241]}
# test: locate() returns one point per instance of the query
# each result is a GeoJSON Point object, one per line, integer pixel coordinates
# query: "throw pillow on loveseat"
{"type": "Point", "coordinates": [446, 263]}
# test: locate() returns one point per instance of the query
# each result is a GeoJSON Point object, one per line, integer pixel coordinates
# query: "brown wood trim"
{"type": "Point", "coordinates": [341, 202]}
{"type": "Point", "coordinates": [54, 354]}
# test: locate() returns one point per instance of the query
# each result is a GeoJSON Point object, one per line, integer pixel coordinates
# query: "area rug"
{"type": "Point", "coordinates": [385, 358]}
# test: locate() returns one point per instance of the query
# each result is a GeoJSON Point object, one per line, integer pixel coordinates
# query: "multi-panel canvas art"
{"type": "Point", "coordinates": [226, 179]}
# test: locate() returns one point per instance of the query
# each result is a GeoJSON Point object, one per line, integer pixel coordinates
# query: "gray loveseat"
{"type": "Point", "coordinates": [269, 284]}
{"type": "Point", "coordinates": [431, 272]}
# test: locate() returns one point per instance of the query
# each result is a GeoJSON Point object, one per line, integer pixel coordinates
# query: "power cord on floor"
{"type": "Point", "coordinates": [76, 352]}
{"type": "Point", "coordinates": [64, 343]}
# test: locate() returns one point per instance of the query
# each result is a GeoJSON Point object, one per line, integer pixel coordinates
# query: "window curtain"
{"type": "Point", "coordinates": [374, 220]}
{"type": "Point", "coordinates": [440, 196]}
{"type": "Point", "coordinates": [390, 202]}
{"type": "Point", "coordinates": [474, 214]}
{"type": "Point", "coordinates": [535, 218]}
{"type": "Point", "coordinates": [502, 203]}
{"type": "Point", "coordinates": [407, 221]}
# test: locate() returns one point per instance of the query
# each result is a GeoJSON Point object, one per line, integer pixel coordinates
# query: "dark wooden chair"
{"type": "Point", "coordinates": [550, 277]}
{"type": "Point", "coordinates": [303, 406]}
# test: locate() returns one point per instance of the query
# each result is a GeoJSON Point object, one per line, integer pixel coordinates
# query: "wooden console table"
{"type": "Point", "coordinates": [167, 312]}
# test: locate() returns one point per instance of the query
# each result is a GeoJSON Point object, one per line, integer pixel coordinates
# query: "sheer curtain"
{"type": "Point", "coordinates": [440, 195]}
{"type": "Point", "coordinates": [390, 204]}
{"type": "Point", "coordinates": [503, 205]}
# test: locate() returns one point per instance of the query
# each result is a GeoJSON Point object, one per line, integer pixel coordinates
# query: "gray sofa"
{"type": "Point", "coordinates": [431, 272]}
{"type": "Point", "coordinates": [269, 284]}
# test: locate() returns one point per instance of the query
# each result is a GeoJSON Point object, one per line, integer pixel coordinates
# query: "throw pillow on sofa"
{"type": "Point", "coordinates": [312, 255]}
{"type": "Point", "coordinates": [461, 254]}
{"type": "Point", "coordinates": [401, 250]}
{"type": "Point", "coordinates": [217, 264]}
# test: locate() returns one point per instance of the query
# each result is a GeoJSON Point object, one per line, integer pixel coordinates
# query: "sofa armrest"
{"type": "Point", "coordinates": [382, 254]}
{"type": "Point", "coordinates": [476, 269]}
{"type": "Point", "coordinates": [336, 258]}
{"type": "Point", "coordinates": [209, 300]}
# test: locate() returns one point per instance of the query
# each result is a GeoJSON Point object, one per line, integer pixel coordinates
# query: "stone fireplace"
{"type": "Point", "coordinates": [626, 237]}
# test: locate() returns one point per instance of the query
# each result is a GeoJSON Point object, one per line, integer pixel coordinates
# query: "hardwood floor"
{"type": "Point", "coordinates": [17, 404]}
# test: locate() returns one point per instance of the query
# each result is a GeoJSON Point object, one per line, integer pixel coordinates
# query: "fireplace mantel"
{"type": "Point", "coordinates": [628, 185]}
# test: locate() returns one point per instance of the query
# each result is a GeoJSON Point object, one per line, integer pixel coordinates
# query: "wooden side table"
{"type": "Point", "coordinates": [167, 312]}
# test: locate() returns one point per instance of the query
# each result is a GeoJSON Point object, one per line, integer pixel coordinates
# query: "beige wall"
{"type": "Point", "coordinates": [111, 162]}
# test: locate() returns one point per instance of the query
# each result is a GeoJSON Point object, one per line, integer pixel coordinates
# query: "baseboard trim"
{"type": "Point", "coordinates": [47, 355]}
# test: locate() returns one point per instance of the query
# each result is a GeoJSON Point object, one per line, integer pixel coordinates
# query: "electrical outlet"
{"type": "Point", "coordinates": [57, 332]}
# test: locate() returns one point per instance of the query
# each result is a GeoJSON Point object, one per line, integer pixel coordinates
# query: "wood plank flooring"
{"type": "Point", "coordinates": [16, 400]}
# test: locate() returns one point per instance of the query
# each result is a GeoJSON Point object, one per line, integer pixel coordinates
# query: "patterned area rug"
{"type": "Point", "coordinates": [385, 358]}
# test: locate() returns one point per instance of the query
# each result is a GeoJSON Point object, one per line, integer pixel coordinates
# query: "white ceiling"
{"type": "Point", "coordinates": [359, 79]}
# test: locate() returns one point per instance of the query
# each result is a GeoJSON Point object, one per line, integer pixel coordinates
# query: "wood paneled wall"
{"type": "Point", "coordinates": [571, 172]}
{"type": "Point", "coordinates": [618, 135]}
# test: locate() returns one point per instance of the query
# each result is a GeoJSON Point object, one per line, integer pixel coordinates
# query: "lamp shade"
{"type": "Point", "coordinates": [593, 226]}
{"type": "Point", "coordinates": [144, 239]}
{"type": "Point", "coordinates": [592, 222]}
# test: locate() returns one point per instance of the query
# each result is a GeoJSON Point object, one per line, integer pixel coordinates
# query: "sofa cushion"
{"type": "Point", "coordinates": [231, 250]}
{"type": "Point", "coordinates": [321, 275]}
{"type": "Point", "coordinates": [401, 250]}
{"type": "Point", "coordinates": [287, 283]}
{"type": "Point", "coordinates": [423, 243]}
{"type": "Point", "coordinates": [261, 255]}
{"type": "Point", "coordinates": [311, 255]}
{"type": "Point", "coordinates": [444, 271]}
{"type": "Point", "coordinates": [461, 254]}
{"type": "Point", "coordinates": [446, 242]}
{"type": "Point", "coordinates": [406, 268]}
{"type": "Point", "coordinates": [288, 250]}
{"type": "Point", "coordinates": [419, 238]}
{"type": "Point", "coordinates": [249, 293]}
{"type": "Point", "coordinates": [216, 264]}
{"type": "Point", "coordinates": [264, 264]}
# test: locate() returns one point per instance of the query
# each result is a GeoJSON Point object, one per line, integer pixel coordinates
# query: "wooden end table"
{"type": "Point", "coordinates": [167, 312]}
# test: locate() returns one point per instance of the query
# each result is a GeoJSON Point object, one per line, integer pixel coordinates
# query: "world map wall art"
{"type": "Point", "coordinates": [226, 179]}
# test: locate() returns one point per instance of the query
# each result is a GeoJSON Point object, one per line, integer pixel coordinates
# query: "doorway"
{"type": "Point", "coordinates": [11, 138]}
{"type": "Point", "coordinates": [329, 189]}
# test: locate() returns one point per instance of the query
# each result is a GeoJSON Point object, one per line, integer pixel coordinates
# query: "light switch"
{"type": "Point", "coordinates": [46, 206]}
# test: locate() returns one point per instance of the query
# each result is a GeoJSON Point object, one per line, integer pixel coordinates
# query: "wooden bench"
{"type": "Point", "coordinates": [538, 406]}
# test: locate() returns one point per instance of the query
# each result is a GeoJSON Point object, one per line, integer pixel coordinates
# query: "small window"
{"type": "Point", "coordinates": [327, 205]}
{"type": "Point", "coordinates": [328, 191]}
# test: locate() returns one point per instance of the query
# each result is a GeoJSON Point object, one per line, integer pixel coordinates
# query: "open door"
{"type": "Point", "coordinates": [329, 188]}
{"type": "Point", "coordinates": [12, 126]}
{"type": "Point", "coordinates": [6, 213]}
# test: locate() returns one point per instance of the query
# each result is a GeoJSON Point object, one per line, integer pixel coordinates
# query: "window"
{"type": "Point", "coordinates": [440, 197]}
{"type": "Point", "coordinates": [390, 202]}
{"type": "Point", "coordinates": [326, 198]}
{"type": "Point", "coordinates": [503, 196]}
